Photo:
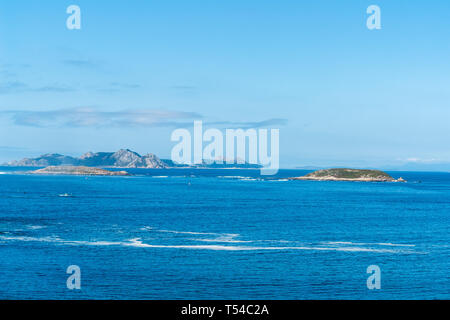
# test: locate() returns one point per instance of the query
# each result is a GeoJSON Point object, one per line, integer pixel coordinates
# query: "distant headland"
{"type": "Point", "coordinates": [123, 158]}
{"type": "Point", "coordinates": [349, 175]}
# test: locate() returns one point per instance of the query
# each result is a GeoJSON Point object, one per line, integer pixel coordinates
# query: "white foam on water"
{"type": "Point", "coordinates": [232, 177]}
{"type": "Point", "coordinates": [65, 195]}
{"type": "Point", "coordinates": [338, 242]}
{"type": "Point", "coordinates": [395, 244]}
{"type": "Point", "coordinates": [275, 241]}
{"type": "Point", "coordinates": [367, 244]}
{"type": "Point", "coordinates": [137, 242]}
{"type": "Point", "coordinates": [345, 246]}
{"type": "Point", "coordinates": [36, 227]}
{"type": "Point", "coordinates": [61, 241]}
{"type": "Point", "coordinates": [31, 239]}
{"type": "Point", "coordinates": [222, 239]}
{"type": "Point", "coordinates": [199, 233]}
{"type": "Point", "coordinates": [93, 243]}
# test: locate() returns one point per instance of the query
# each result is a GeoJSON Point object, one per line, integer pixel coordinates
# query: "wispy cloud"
{"type": "Point", "coordinates": [10, 70]}
{"type": "Point", "coordinates": [52, 89]}
{"type": "Point", "coordinates": [5, 73]}
{"type": "Point", "coordinates": [118, 86]}
{"type": "Point", "coordinates": [10, 83]}
{"type": "Point", "coordinates": [125, 85]}
{"type": "Point", "coordinates": [21, 87]}
{"type": "Point", "coordinates": [183, 87]}
{"type": "Point", "coordinates": [421, 160]}
{"type": "Point", "coordinates": [89, 117]}
{"type": "Point", "coordinates": [81, 63]}
{"type": "Point", "coordinates": [8, 148]}
{"type": "Point", "coordinates": [12, 86]}
{"type": "Point", "coordinates": [252, 124]}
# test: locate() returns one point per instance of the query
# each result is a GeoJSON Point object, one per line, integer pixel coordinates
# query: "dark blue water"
{"type": "Point", "coordinates": [223, 234]}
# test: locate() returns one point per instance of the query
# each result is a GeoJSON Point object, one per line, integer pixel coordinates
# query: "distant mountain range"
{"type": "Point", "coordinates": [123, 158]}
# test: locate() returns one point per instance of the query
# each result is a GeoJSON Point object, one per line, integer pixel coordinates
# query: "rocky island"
{"type": "Point", "coordinates": [78, 171]}
{"type": "Point", "coordinates": [349, 175]}
{"type": "Point", "coordinates": [123, 158]}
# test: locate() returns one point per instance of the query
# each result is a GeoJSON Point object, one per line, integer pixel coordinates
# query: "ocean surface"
{"type": "Point", "coordinates": [223, 234]}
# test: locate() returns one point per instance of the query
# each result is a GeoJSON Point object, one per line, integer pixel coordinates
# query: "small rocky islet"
{"type": "Point", "coordinates": [343, 174]}
{"type": "Point", "coordinates": [78, 171]}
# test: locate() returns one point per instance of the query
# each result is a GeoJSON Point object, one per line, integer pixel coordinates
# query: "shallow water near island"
{"type": "Point", "coordinates": [223, 234]}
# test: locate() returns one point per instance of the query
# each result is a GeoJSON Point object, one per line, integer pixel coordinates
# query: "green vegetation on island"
{"type": "Point", "coordinates": [349, 175]}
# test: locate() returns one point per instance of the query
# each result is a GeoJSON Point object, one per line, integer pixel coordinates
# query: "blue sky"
{"type": "Point", "coordinates": [340, 93]}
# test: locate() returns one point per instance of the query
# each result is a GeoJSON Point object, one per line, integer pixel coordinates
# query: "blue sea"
{"type": "Point", "coordinates": [223, 234]}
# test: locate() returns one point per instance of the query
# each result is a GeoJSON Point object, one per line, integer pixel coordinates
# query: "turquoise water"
{"type": "Point", "coordinates": [223, 234]}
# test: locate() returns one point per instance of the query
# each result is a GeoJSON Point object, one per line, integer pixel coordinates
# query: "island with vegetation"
{"type": "Point", "coordinates": [78, 171]}
{"type": "Point", "coordinates": [349, 175]}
